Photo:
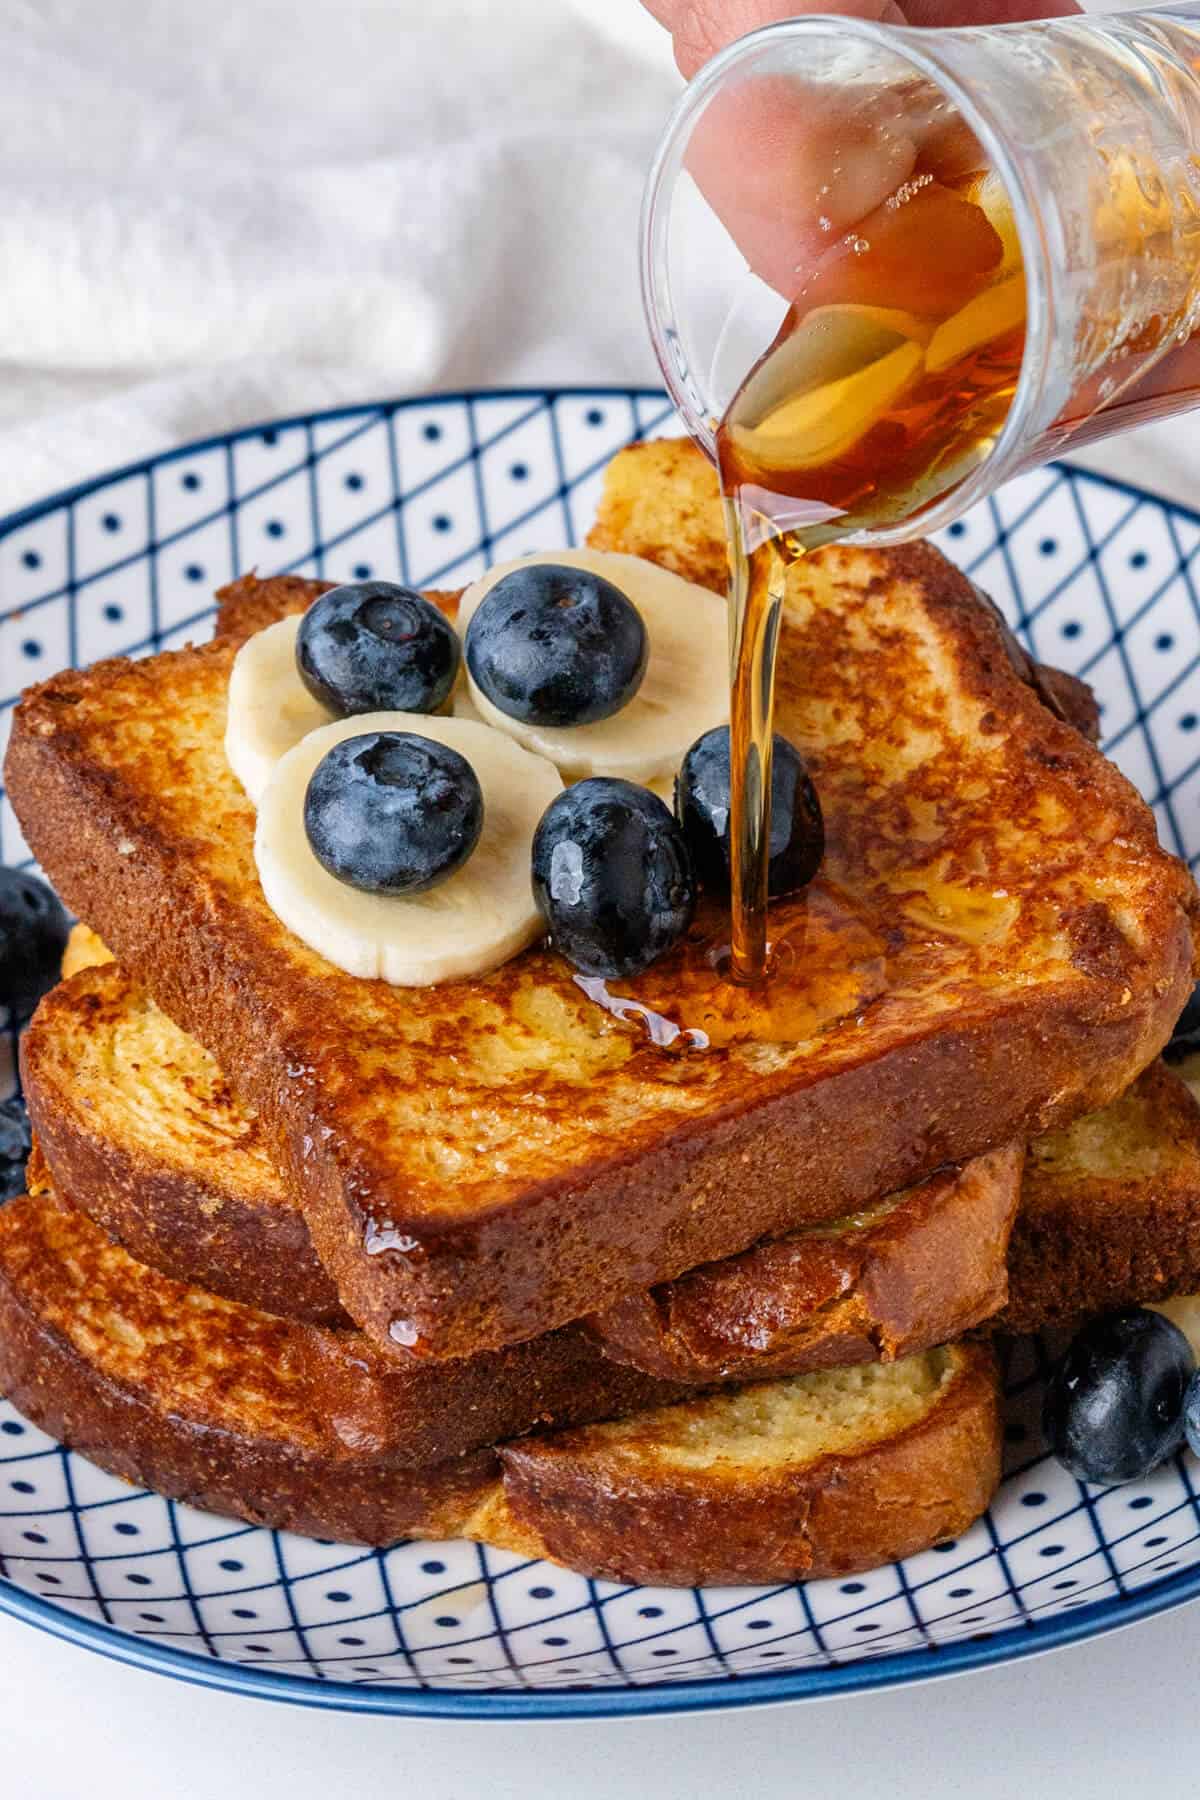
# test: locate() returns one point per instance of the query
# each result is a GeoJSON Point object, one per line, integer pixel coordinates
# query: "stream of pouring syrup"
{"type": "Point", "coordinates": [860, 411]}
{"type": "Point", "coordinates": [890, 380]}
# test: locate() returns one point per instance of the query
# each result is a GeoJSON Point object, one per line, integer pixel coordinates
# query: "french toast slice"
{"type": "Point", "coordinates": [198, 1398]}
{"type": "Point", "coordinates": [1108, 1216]}
{"type": "Point", "coordinates": [413, 1414]}
{"type": "Point", "coordinates": [914, 1271]}
{"type": "Point", "coordinates": [211, 1403]}
{"type": "Point", "coordinates": [824, 1474]}
{"type": "Point", "coordinates": [996, 943]}
{"type": "Point", "coordinates": [140, 1131]}
{"type": "Point", "coordinates": [1110, 1212]}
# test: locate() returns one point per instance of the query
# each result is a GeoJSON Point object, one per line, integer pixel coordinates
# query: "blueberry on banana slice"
{"type": "Point", "coordinates": [1113, 1408]}
{"type": "Point", "coordinates": [612, 877]}
{"type": "Point", "coordinates": [33, 935]}
{"type": "Point", "coordinates": [555, 645]}
{"type": "Point", "coordinates": [268, 708]}
{"type": "Point", "coordinates": [434, 909]}
{"type": "Point", "coordinates": [683, 688]}
{"type": "Point", "coordinates": [702, 808]}
{"type": "Point", "coordinates": [393, 813]}
{"type": "Point", "coordinates": [372, 646]}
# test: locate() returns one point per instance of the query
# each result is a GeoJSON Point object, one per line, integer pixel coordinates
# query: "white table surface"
{"type": "Point", "coordinates": [1106, 1718]}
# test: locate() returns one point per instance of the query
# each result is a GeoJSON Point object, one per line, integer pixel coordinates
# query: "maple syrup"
{"type": "Point", "coordinates": [890, 379]}
{"type": "Point", "coordinates": [831, 958]}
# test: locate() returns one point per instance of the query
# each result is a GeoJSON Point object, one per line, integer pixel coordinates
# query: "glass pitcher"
{"type": "Point", "coordinates": [815, 287]}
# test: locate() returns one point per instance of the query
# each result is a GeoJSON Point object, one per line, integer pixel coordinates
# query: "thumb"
{"type": "Point", "coordinates": [786, 167]}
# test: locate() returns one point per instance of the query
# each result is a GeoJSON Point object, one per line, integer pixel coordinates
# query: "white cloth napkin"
{"type": "Point", "coordinates": [214, 214]}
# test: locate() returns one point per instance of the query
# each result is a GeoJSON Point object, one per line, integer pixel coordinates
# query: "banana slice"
{"type": "Point", "coordinates": [269, 707]}
{"type": "Point", "coordinates": [475, 920]}
{"type": "Point", "coordinates": [684, 692]}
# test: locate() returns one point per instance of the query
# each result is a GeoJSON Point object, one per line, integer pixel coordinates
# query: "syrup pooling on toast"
{"type": "Point", "coordinates": [890, 378]}
{"type": "Point", "coordinates": [828, 962]}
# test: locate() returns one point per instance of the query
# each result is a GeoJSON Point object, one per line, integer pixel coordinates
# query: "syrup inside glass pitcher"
{"type": "Point", "coordinates": [888, 382]}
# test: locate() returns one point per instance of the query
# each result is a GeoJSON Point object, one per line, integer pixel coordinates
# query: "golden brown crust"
{"type": "Point", "coordinates": [927, 1267]}
{"type": "Point", "coordinates": [212, 1405]}
{"type": "Point", "coordinates": [141, 1133]}
{"type": "Point", "coordinates": [282, 1381]}
{"type": "Point", "coordinates": [252, 602]}
{"type": "Point", "coordinates": [246, 1250]}
{"type": "Point", "coordinates": [367, 1501]}
{"type": "Point", "coordinates": [526, 1208]}
{"type": "Point", "coordinates": [1110, 1214]}
{"type": "Point", "coordinates": [632, 1517]}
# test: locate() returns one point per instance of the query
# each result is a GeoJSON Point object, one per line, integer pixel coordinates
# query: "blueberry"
{"type": "Point", "coordinates": [1191, 1414]}
{"type": "Point", "coordinates": [393, 813]}
{"type": "Point", "coordinates": [551, 645]}
{"type": "Point", "coordinates": [376, 647]}
{"type": "Point", "coordinates": [1114, 1405]}
{"type": "Point", "coordinates": [612, 876]}
{"type": "Point", "coordinates": [1185, 1039]}
{"type": "Point", "coordinates": [702, 808]}
{"type": "Point", "coordinates": [15, 1145]}
{"type": "Point", "coordinates": [33, 936]}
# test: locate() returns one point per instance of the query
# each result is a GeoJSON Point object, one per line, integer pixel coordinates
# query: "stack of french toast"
{"type": "Point", "coordinates": [495, 1255]}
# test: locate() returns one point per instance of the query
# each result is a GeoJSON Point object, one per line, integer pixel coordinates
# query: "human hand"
{"type": "Point", "coordinates": [699, 28]}
{"type": "Point", "coordinates": [791, 174]}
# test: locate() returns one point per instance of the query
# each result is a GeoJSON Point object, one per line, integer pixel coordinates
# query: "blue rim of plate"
{"type": "Point", "coordinates": [1029, 1638]}
{"type": "Point", "coordinates": [729, 1691]}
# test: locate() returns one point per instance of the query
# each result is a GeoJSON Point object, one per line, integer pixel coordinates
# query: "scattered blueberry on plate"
{"type": "Point", "coordinates": [1185, 1039]}
{"type": "Point", "coordinates": [33, 935]}
{"type": "Point", "coordinates": [372, 646]}
{"type": "Point", "coordinates": [1191, 1414]}
{"type": "Point", "coordinates": [390, 812]}
{"type": "Point", "coordinates": [612, 877]}
{"type": "Point", "coordinates": [702, 790]}
{"type": "Point", "coordinates": [1114, 1406]}
{"type": "Point", "coordinates": [551, 645]}
{"type": "Point", "coordinates": [16, 1141]}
